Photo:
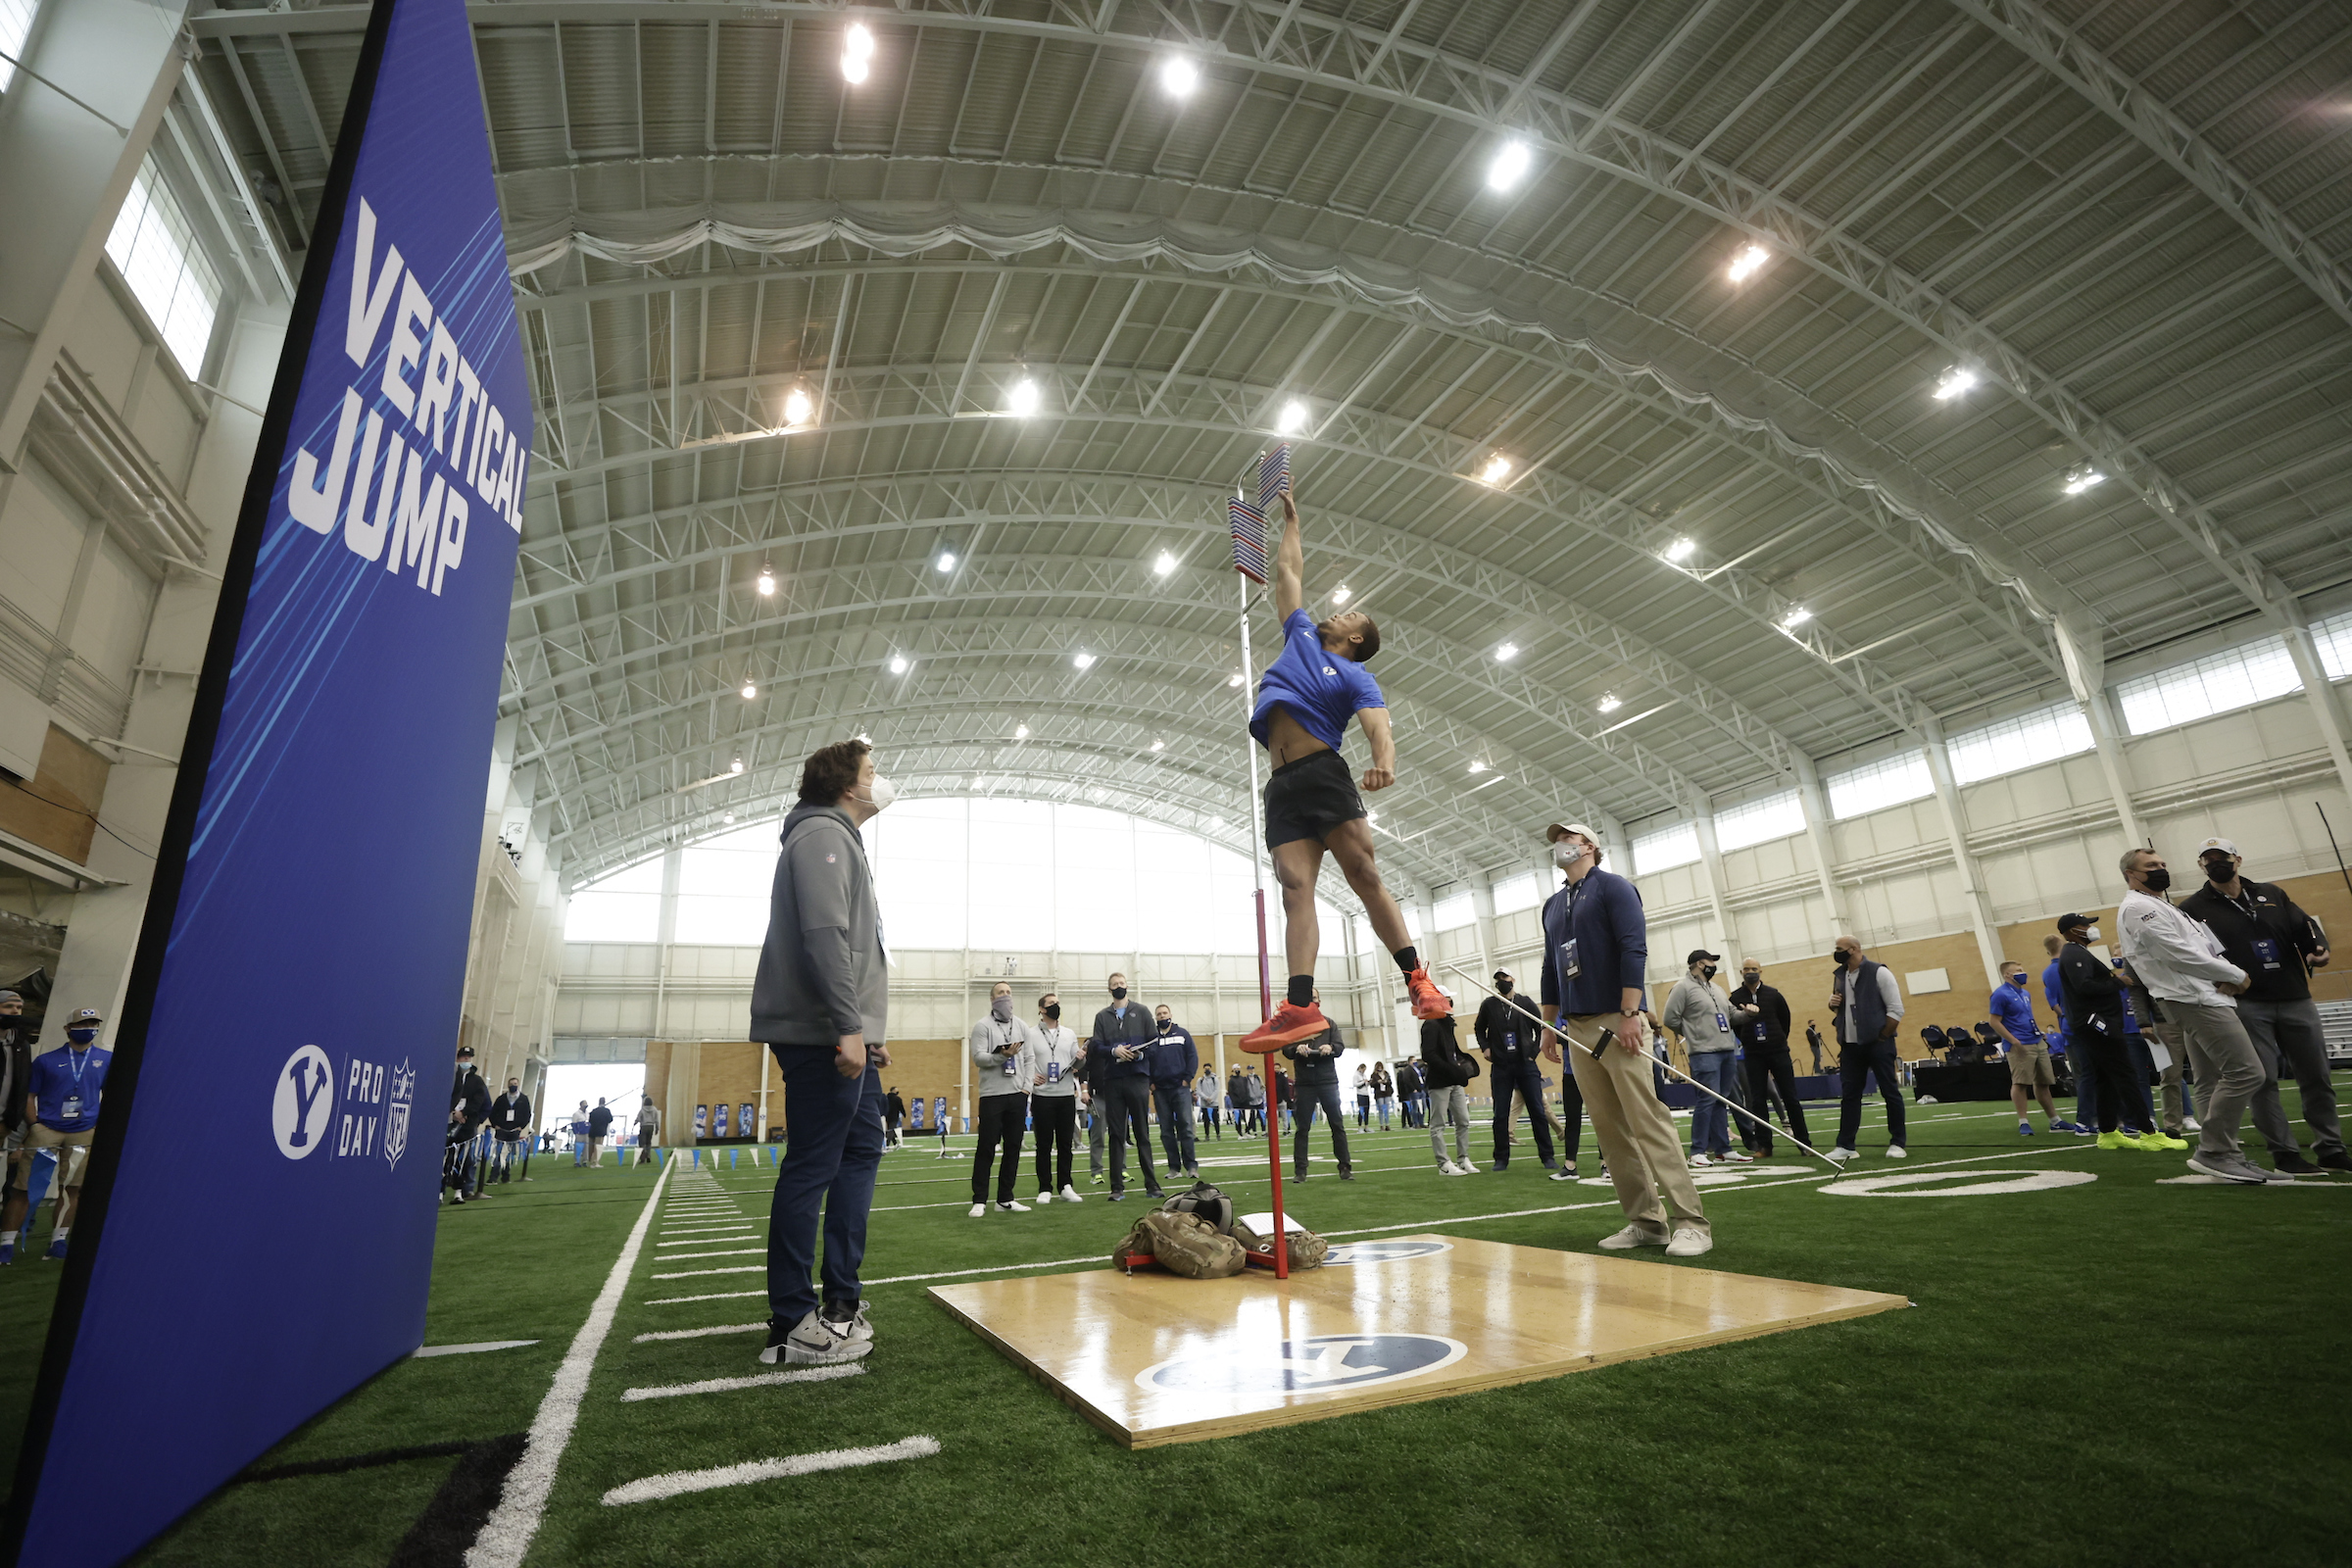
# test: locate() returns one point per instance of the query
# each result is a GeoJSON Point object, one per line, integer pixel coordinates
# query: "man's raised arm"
{"type": "Point", "coordinates": [1290, 564]}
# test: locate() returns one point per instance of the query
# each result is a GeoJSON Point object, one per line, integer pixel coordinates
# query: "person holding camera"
{"type": "Point", "coordinates": [1002, 1052]}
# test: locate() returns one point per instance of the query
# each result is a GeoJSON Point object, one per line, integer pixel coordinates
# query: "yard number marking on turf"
{"type": "Point", "coordinates": [1973, 1183]}
{"type": "Point", "coordinates": [653, 1488]}
{"type": "Point", "coordinates": [469, 1349]}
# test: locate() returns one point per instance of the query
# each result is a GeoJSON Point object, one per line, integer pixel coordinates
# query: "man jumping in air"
{"type": "Point", "coordinates": [1303, 703]}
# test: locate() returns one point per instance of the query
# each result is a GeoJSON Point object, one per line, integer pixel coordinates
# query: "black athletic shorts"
{"type": "Point", "coordinates": [1308, 798]}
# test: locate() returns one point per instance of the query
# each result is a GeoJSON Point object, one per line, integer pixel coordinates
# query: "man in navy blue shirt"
{"type": "Point", "coordinates": [62, 1103]}
{"type": "Point", "coordinates": [1303, 704]}
{"type": "Point", "coordinates": [1173, 1062]}
{"type": "Point", "coordinates": [1595, 954]}
{"type": "Point", "coordinates": [1123, 1083]}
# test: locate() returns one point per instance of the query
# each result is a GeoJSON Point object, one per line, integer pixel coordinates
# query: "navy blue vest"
{"type": "Point", "coordinates": [1869, 1007]}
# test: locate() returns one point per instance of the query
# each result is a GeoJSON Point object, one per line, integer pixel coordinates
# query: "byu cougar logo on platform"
{"type": "Point", "coordinates": [1310, 1365]}
{"type": "Point", "coordinates": [302, 1109]}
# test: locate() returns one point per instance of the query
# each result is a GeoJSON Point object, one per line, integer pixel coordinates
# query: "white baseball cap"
{"type": "Point", "coordinates": [1557, 828]}
{"type": "Point", "coordinates": [2223, 845]}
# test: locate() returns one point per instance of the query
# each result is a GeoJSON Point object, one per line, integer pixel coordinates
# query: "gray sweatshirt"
{"type": "Point", "coordinates": [823, 973]}
{"type": "Point", "coordinates": [1700, 1014]}
{"type": "Point", "coordinates": [1056, 1046]}
{"type": "Point", "coordinates": [987, 1041]}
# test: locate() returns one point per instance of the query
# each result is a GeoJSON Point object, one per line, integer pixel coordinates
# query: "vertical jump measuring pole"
{"type": "Point", "coordinates": [1265, 987]}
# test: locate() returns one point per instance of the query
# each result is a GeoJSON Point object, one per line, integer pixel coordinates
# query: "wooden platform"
{"type": "Point", "coordinates": [1152, 1359]}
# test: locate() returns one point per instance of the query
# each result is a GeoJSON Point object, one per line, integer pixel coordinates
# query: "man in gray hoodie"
{"type": "Point", "coordinates": [1699, 1010]}
{"type": "Point", "coordinates": [820, 1001]}
{"type": "Point", "coordinates": [1003, 1050]}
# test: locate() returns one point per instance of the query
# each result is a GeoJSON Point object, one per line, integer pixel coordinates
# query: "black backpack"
{"type": "Point", "coordinates": [1207, 1204]}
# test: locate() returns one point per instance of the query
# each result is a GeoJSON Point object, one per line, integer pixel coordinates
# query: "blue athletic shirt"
{"type": "Point", "coordinates": [1322, 690]}
{"type": "Point", "coordinates": [54, 1082]}
{"type": "Point", "coordinates": [2015, 1008]}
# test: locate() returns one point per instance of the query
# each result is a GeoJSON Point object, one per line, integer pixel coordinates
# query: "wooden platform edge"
{"type": "Point", "coordinates": [1093, 1416]}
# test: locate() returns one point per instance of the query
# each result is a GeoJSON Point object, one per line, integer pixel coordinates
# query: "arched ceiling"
{"type": "Point", "coordinates": [2130, 223]}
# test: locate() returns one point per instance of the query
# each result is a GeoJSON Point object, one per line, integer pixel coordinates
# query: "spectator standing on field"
{"type": "Point", "coordinates": [1509, 1031]}
{"type": "Point", "coordinates": [1172, 1058]}
{"type": "Point", "coordinates": [1446, 1071]}
{"type": "Point", "coordinates": [648, 1126]}
{"type": "Point", "coordinates": [1003, 1053]}
{"type": "Point", "coordinates": [820, 1001]}
{"type": "Point", "coordinates": [510, 1124]}
{"type": "Point", "coordinates": [469, 1109]}
{"type": "Point", "coordinates": [1317, 1086]}
{"type": "Point", "coordinates": [1813, 1039]}
{"type": "Point", "coordinates": [1206, 1095]}
{"type": "Point", "coordinates": [579, 1136]}
{"type": "Point", "coordinates": [1383, 1091]}
{"type": "Point", "coordinates": [1409, 1096]}
{"type": "Point", "coordinates": [15, 1071]}
{"type": "Point", "coordinates": [599, 1127]}
{"type": "Point", "coordinates": [1053, 1098]}
{"type": "Point", "coordinates": [62, 1093]}
{"type": "Point", "coordinates": [2095, 1001]}
{"type": "Point", "coordinates": [1760, 1018]}
{"type": "Point", "coordinates": [2011, 1005]}
{"type": "Point", "coordinates": [893, 1112]}
{"type": "Point", "coordinates": [1363, 1097]}
{"type": "Point", "coordinates": [1698, 1009]}
{"type": "Point", "coordinates": [1123, 1083]}
{"type": "Point", "coordinates": [940, 1122]}
{"type": "Point", "coordinates": [1867, 1008]}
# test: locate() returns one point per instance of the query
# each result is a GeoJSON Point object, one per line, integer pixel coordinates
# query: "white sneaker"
{"type": "Point", "coordinates": [1008, 1207]}
{"type": "Point", "coordinates": [1737, 1157]}
{"type": "Point", "coordinates": [2191, 1124]}
{"type": "Point", "coordinates": [1898, 1151]}
{"type": "Point", "coordinates": [1445, 1168]}
{"type": "Point", "coordinates": [1632, 1236]}
{"type": "Point", "coordinates": [1045, 1198]}
{"type": "Point", "coordinates": [813, 1342]}
{"type": "Point", "coordinates": [1689, 1242]}
{"type": "Point", "coordinates": [979, 1212]}
{"type": "Point", "coordinates": [1841, 1155]}
{"type": "Point", "coordinates": [1700, 1162]}
{"type": "Point", "coordinates": [1071, 1194]}
{"type": "Point", "coordinates": [1463, 1167]}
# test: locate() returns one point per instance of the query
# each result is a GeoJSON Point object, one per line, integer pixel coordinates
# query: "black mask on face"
{"type": "Point", "coordinates": [2220, 870]}
{"type": "Point", "coordinates": [1052, 1010]}
{"type": "Point", "coordinates": [1708, 970]}
{"type": "Point", "coordinates": [1166, 1026]}
{"type": "Point", "coordinates": [1118, 993]}
{"type": "Point", "coordinates": [2159, 879]}
{"type": "Point", "coordinates": [1751, 979]}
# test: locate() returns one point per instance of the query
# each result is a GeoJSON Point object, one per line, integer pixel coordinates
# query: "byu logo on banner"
{"type": "Point", "coordinates": [1311, 1365]}
{"type": "Point", "coordinates": [302, 1109]}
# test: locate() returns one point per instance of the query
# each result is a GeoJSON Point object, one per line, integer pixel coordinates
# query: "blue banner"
{"type": "Point", "coordinates": [258, 1232]}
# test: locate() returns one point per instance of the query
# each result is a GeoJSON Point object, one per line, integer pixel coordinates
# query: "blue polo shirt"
{"type": "Point", "coordinates": [1599, 921]}
{"type": "Point", "coordinates": [66, 1074]}
{"type": "Point", "coordinates": [2014, 1009]}
{"type": "Point", "coordinates": [1322, 690]}
{"type": "Point", "coordinates": [2055, 994]}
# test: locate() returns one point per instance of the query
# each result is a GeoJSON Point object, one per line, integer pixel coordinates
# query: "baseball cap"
{"type": "Point", "coordinates": [1559, 828]}
{"type": "Point", "coordinates": [2223, 845]}
{"type": "Point", "coordinates": [2067, 922]}
{"type": "Point", "coordinates": [1697, 953]}
{"type": "Point", "coordinates": [87, 1015]}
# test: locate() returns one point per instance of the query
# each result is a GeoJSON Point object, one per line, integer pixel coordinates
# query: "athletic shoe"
{"type": "Point", "coordinates": [1044, 1199]}
{"type": "Point", "coordinates": [2081, 1131]}
{"type": "Point", "coordinates": [2160, 1141]}
{"type": "Point", "coordinates": [1428, 1001]}
{"type": "Point", "coordinates": [2336, 1160]}
{"type": "Point", "coordinates": [1071, 1194]}
{"type": "Point", "coordinates": [2117, 1140]}
{"type": "Point", "coordinates": [1566, 1173]}
{"type": "Point", "coordinates": [1689, 1242]}
{"type": "Point", "coordinates": [2192, 1125]}
{"type": "Point", "coordinates": [2062, 1125]}
{"type": "Point", "coordinates": [860, 1326]}
{"type": "Point", "coordinates": [1095, 1180]}
{"type": "Point", "coordinates": [1155, 1195]}
{"type": "Point", "coordinates": [1347, 1175]}
{"type": "Point", "coordinates": [1840, 1156]}
{"type": "Point", "coordinates": [2229, 1168]}
{"type": "Point", "coordinates": [1898, 1151]}
{"type": "Point", "coordinates": [1445, 1168]}
{"type": "Point", "coordinates": [8, 1252]}
{"type": "Point", "coordinates": [1465, 1168]}
{"type": "Point", "coordinates": [1005, 1205]}
{"type": "Point", "coordinates": [1632, 1236]}
{"type": "Point", "coordinates": [1117, 1198]}
{"type": "Point", "coordinates": [815, 1340]}
{"type": "Point", "coordinates": [1289, 1024]}
{"type": "Point", "coordinates": [56, 1253]}
{"type": "Point", "coordinates": [1737, 1157]}
{"type": "Point", "coordinates": [2025, 1129]}
{"type": "Point", "coordinates": [979, 1212]}
{"type": "Point", "coordinates": [2293, 1164]}
{"type": "Point", "coordinates": [1700, 1162]}
{"type": "Point", "coordinates": [1300, 1176]}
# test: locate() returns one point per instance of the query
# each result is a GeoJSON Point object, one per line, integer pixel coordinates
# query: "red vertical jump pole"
{"type": "Point", "coordinates": [1265, 982]}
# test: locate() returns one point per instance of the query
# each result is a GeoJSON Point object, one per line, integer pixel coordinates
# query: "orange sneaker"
{"type": "Point", "coordinates": [1428, 1001]}
{"type": "Point", "coordinates": [1289, 1024]}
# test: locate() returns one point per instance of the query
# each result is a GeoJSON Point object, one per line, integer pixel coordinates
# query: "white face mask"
{"type": "Point", "coordinates": [1567, 852]}
{"type": "Point", "coordinates": [2091, 935]}
{"type": "Point", "coordinates": [880, 793]}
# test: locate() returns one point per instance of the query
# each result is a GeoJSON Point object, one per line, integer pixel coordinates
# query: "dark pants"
{"type": "Point", "coordinates": [2108, 1059]}
{"type": "Point", "coordinates": [1770, 1065]}
{"type": "Point", "coordinates": [1529, 1082]}
{"type": "Point", "coordinates": [1126, 1101]}
{"type": "Point", "coordinates": [1875, 1060]}
{"type": "Point", "coordinates": [1002, 1118]}
{"type": "Point", "coordinates": [1054, 1119]}
{"type": "Point", "coordinates": [1175, 1103]}
{"type": "Point", "coordinates": [1305, 1098]}
{"type": "Point", "coordinates": [832, 1150]}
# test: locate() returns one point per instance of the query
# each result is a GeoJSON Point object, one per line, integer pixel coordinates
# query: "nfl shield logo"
{"type": "Point", "coordinates": [396, 1114]}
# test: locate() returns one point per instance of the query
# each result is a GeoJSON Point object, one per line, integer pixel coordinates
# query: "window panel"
{"type": "Point", "coordinates": [153, 245]}
{"type": "Point", "coordinates": [1454, 911]}
{"type": "Point", "coordinates": [2217, 683]}
{"type": "Point", "coordinates": [16, 27]}
{"type": "Point", "coordinates": [1875, 785]}
{"type": "Point", "coordinates": [1522, 892]}
{"type": "Point", "coordinates": [1776, 816]}
{"type": "Point", "coordinates": [2334, 639]}
{"type": "Point", "coordinates": [1666, 849]}
{"type": "Point", "coordinates": [2022, 740]}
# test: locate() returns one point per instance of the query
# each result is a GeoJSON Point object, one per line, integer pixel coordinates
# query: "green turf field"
{"type": "Point", "coordinates": [2114, 1372]}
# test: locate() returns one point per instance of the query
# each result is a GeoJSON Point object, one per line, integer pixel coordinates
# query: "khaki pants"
{"type": "Point", "coordinates": [1634, 1128]}
{"type": "Point", "coordinates": [73, 1150]}
{"type": "Point", "coordinates": [2229, 1070]}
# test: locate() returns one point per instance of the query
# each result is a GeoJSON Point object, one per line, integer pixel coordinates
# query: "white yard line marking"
{"type": "Point", "coordinates": [522, 1502]}
{"type": "Point", "coordinates": [758, 1380]}
{"type": "Point", "coordinates": [698, 1334]}
{"type": "Point", "coordinates": [895, 1279]}
{"type": "Point", "coordinates": [732, 1233]}
{"type": "Point", "coordinates": [469, 1349]}
{"type": "Point", "coordinates": [676, 1482]}
{"type": "Point", "coordinates": [693, 1273]}
{"type": "Point", "coordinates": [718, 1296]}
{"type": "Point", "coordinates": [731, 1251]}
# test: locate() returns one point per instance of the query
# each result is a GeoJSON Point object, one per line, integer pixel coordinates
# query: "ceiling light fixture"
{"type": "Point", "coordinates": [946, 561]}
{"type": "Point", "coordinates": [1955, 380]}
{"type": "Point", "coordinates": [863, 736]}
{"type": "Point", "coordinates": [1164, 565]}
{"type": "Point", "coordinates": [1083, 660]}
{"type": "Point", "coordinates": [1160, 746]}
{"type": "Point", "coordinates": [1508, 166]}
{"type": "Point", "coordinates": [1020, 732]}
{"type": "Point", "coordinates": [1682, 550]}
{"type": "Point", "coordinates": [1497, 469]}
{"type": "Point", "coordinates": [736, 767]}
{"type": "Point", "coordinates": [1179, 76]}
{"type": "Point", "coordinates": [1795, 618]}
{"type": "Point", "coordinates": [766, 583]}
{"type": "Point", "coordinates": [2082, 478]}
{"type": "Point", "coordinates": [856, 53]}
{"type": "Point", "coordinates": [1293, 419]}
{"type": "Point", "coordinates": [1747, 263]}
{"type": "Point", "coordinates": [1235, 680]}
{"type": "Point", "coordinates": [1507, 652]}
{"type": "Point", "coordinates": [798, 407]}
{"type": "Point", "coordinates": [1610, 702]}
{"type": "Point", "coordinates": [1022, 401]}
{"type": "Point", "coordinates": [1342, 594]}
{"type": "Point", "coordinates": [898, 664]}
{"type": "Point", "coordinates": [750, 691]}
{"type": "Point", "coordinates": [1478, 767]}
